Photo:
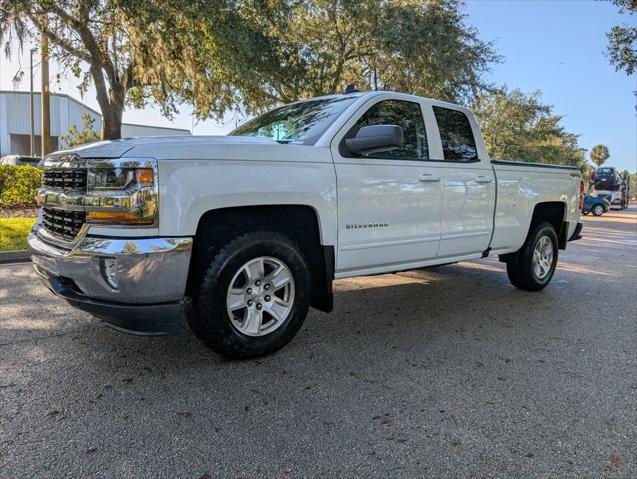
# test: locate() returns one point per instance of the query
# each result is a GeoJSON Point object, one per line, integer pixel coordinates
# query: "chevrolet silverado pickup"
{"type": "Point", "coordinates": [241, 234]}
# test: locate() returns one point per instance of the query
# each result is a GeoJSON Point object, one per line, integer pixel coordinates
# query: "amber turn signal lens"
{"type": "Point", "coordinates": [144, 176]}
{"type": "Point", "coordinates": [117, 217]}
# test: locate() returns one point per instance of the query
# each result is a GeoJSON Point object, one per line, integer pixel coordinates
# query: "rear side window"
{"type": "Point", "coordinates": [458, 143]}
{"type": "Point", "coordinates": [408, 116]}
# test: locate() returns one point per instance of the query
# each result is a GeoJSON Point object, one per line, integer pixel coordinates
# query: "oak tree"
{"type": "Point", "coordinates": [132, 51]}
{"type": "Point", "coordinates": [518, 126]}
{"type": "Point", "coordinates": [316, 47]}
{"type": "Point", "coordinates": [250, 55]}
{"type": "Point", "coordinates": [622, 40]}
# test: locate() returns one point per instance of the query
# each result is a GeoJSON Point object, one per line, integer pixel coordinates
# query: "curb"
{"type": "Point", "coordinates": [18, 256]}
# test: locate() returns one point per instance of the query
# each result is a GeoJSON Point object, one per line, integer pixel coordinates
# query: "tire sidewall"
{"type": "Point", "coordinates": [213, 292]}
{"type": "Point", "coordinates": [544, 231]}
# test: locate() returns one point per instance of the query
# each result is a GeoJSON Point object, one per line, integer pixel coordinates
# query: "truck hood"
{"type": "Point", "coordinates": [165, 147]}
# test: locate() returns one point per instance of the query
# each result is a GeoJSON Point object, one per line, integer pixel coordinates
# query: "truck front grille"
{"type": "Point", "coordinates": [65, 224]}
{"type": "Point", "coordinates": [65, 180]}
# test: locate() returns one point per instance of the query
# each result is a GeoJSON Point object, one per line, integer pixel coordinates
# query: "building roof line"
{"type": "Point", "coordinates": [155, 126]}
{"type": "Point", "coordinates": [66, 95]}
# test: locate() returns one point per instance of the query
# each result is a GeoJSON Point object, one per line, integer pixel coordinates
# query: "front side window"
{"type": "Point", "coordinates": [408, 116]}
{"type": "Point", "coordinates": [456, 135]}
{"type": "Point", "coordinates": [300, 123]}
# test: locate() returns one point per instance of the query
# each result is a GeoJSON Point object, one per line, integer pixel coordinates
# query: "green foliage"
{"type": "Point", "coordinates": [76, 137]}
{"type": "Point", "coordinates": [18, 185]}
{"type": "Point", "coordinates": [519, 127]}
{"type": "Point", "coordinates": [130, 52]}
{"type": "Point", "coordinates": [622, 40]}
{"type": "Point", "coordinates": [13, 233]}
{"type": "Point", "coordinates": [249, 55]}
{"type": "Point", "coordinates": [599, 155]}
{"type": "Point", "coordinates": [307, 48]}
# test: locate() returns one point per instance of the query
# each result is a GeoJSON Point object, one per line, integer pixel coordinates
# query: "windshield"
{"type": "Point", "coordinates": [299, 123]}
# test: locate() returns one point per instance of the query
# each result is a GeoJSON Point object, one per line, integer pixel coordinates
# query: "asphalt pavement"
{"type": "Point", "coordinates": [448, 372]}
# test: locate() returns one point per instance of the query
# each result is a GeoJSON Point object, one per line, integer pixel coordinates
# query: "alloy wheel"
{"type": "Point", "coordinates": [543, 257]}
{"type": "Point", "coordinates": [260, 296]}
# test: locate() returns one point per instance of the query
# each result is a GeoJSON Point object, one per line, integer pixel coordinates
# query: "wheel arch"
{"type": "Point", "coordinates": [301, 223]}
{"type": "Point", "coordinates": [553, 212]}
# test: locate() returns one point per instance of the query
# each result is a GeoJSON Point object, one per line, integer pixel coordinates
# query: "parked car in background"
{"type": "Point", "coordinates": [596, 205]}
{"type": "Point", "coordinates": [17, 160]}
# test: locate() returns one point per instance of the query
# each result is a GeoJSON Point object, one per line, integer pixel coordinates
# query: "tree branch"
{"type": "Point", "coordinates": [61, 42]}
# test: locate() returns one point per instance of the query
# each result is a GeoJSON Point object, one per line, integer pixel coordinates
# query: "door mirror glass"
{"type": "Point", "coordinates": [376, 139]}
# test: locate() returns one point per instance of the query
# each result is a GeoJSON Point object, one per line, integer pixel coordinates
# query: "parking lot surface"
{"type": "Point", "coordinates": [445, 372]}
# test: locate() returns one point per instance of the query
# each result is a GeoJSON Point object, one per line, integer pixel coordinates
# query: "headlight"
{"type": "Point", "coordinates": [122, 192]}
{"type": "Point", "coordinates": [119, 178]}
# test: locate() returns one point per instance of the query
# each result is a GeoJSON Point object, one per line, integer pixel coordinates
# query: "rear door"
{"type": "Point", "coordinates": [389, 204]}
{"type": "Point", "coordinates": [468, 185]}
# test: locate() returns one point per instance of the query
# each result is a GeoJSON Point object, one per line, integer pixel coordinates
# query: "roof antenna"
{"type": "Point", "coordinates": [350, 89]}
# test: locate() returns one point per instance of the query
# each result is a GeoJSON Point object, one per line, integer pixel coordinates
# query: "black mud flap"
{"type": "Point", "coordinates": [577, 234]}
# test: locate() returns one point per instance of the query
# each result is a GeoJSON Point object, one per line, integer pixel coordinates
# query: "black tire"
{"type": "Point", "coordinates": [207, 313]}
{"type": "Point", "coordinates": [585, 213]}
{"type": "Point", "coordinates": [598, 210]}
{"type": "Point", "coordinates": [520, 266]}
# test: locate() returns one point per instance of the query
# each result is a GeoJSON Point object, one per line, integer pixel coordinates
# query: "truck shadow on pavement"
{"type": "Point", "coordinates": [416, 309]}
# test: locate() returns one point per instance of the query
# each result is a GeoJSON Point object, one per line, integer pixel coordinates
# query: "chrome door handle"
{"type": "Point", "coordinates": [483, 179]}
{"type": "Point", "coordinates": [427, 178]}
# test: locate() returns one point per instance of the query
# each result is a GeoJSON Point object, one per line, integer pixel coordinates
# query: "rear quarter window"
{"type": "Point", "coordinates": [456, 135]}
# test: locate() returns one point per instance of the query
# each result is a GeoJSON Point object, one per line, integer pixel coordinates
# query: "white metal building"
{"type": "Point", "coordinates": [15, 123]}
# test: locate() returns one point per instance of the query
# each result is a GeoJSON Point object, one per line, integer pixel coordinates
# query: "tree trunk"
{"type": "Point", "coordinates": [111, 101]}
{"type": "Point", "coordinates": [111, 122]}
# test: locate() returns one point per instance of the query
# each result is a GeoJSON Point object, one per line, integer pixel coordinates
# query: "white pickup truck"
{"type": "Point", "coordinates": [245, 232]}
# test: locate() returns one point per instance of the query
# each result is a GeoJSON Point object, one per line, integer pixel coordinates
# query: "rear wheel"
{"type": "Point", "coordinates": [533, 266]}
{"type": "Point", "coordinates": [254, 296]}
{"type": "Point", "coordinates": [598, 210]}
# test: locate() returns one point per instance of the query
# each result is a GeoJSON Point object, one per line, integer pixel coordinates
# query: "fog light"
{"type": "Point", "coordinates": [108, 268]}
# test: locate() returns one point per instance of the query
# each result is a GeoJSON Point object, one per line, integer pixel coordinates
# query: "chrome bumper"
{"type": "Point", "coordinates": [149, 276]}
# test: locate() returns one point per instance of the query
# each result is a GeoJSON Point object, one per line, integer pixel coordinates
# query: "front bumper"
{"type": "Point", "coordinates": [134, 284]}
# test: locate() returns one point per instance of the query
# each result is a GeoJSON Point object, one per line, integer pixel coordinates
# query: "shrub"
{"type": "Point", "coordinates": [18, 185]}
{"type": "Point", "coordinates": [77, 137]}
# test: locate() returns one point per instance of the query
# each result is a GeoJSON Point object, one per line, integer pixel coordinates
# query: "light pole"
{"type": "Point", "coordinates": [45, 102]}
{"type": "Point", "coordinates": [32, 108]}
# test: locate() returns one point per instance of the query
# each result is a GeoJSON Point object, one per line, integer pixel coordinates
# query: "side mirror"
{"type": "Point", "coordinates": [376, 139]}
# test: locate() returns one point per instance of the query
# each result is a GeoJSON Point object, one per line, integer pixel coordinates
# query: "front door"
{"type": "Point", "coordinates": [389, 204]}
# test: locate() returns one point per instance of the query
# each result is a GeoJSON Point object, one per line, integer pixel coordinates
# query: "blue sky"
{"type": "Point", "coordinates": [555, 46]}
{"type": "Point", "coordinates": [558, 47]}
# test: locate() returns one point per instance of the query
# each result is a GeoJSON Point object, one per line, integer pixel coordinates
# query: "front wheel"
{"type": "Point", "coordinates": [253, 298]}
{"type": "Point", "coordinates": [598, 210]}
{"type": "Point", "coordinates": [533, 266]}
